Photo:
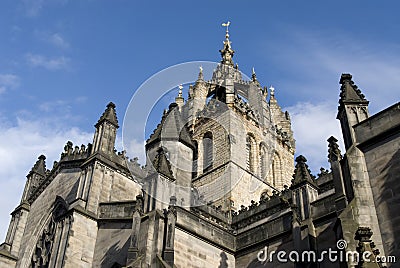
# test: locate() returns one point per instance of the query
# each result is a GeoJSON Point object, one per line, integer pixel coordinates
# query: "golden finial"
{"type": "Point", "coordinates": [226, 24]}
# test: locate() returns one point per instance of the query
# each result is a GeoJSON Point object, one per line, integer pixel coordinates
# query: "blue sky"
{"type": "Point", "coordinates": [62, 61]}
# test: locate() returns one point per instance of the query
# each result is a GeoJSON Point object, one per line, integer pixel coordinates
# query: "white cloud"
{"type": "Point", "coordinates": [57, 40]}
{"type": "Point", "coordinates": [312, 64]}
{"type": "Point", "coordinates": [48, 63]}
{"type": "Point", "coordinates": [8, 81]}
{"type": "Point", "coordinates": [20, 145]}
{"type": "Point", "coordinates": [33, 7]}
{"type": "Point", "coordinates": [312, 125]}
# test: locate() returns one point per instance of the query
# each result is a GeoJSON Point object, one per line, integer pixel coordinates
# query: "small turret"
{"type": "Point", "coordinates": [305, 189]}
{"type": "Point", "coordinates": [334, 157]}
{"type": "Point", "coordinates": [35, 177]}
{"type": "Point", "coordinates": [302, 173]}
{"type": "Point", "coordinates": [106, 131]}
{"type": "Point", "coordinates": [353, 108]}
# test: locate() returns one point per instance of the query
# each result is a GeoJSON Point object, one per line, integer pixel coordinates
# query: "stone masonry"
{"type": "Point", "coordinates": [221, 188]}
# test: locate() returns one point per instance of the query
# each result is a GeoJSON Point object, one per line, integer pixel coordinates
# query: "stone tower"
{"type": "Point", "coordinates": [240, 143]}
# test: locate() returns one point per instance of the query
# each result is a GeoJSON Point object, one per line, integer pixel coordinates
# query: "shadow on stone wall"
{"type": "Point", "coordinates": [71, 196]}
{"type": "Point", "coordinates": [390, 199]}
{"type": "Point", "coordinates": [224, 260]}
{"type": "Point", "coordinates": [115, 256]}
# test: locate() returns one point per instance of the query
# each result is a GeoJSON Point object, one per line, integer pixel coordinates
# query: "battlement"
{"type": "Point", "coordinates": [267, 206]}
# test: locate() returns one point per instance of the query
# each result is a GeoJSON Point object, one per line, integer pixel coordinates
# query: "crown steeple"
{"type": "Point", "coordinates": [227, 51]}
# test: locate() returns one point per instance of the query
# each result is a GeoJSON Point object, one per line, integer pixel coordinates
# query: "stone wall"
{"type": "Point", "coordinates": [113, 238]}
{"type": "Point", "coordinates": [65, 185]}
{"type": "Point", "coordinates": [379, 139]}
{"type": "Point", "coordinates": [5, 261]}
{"type": "Point", "coordinates": [81, 241]}
{"type": "Point", "coordinates": [106, 185]}
{"type": "Point", "coordinates": [193, 252]}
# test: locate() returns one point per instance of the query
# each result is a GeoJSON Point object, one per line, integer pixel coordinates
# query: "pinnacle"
{"type": "Point", "coordinates": [302, 172]}
{"type": "Point", "coordinates": [349, 92]}
{"type": "Point", "coordinates": [333, 149]}
{"type": "Point", "coordinates": [40, 166]}
{"type": "Point", "coordinates": [109, 115]}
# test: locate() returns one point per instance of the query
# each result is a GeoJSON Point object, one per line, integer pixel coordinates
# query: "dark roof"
{"type": "Point", "coordinates": [171, 127]}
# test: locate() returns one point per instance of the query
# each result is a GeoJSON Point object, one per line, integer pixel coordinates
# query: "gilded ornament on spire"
{"type": "Point", "coordinates": [227, 52]}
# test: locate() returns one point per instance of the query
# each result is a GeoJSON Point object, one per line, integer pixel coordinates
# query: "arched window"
{"type": "Point", "coordinates": [277, 171]}
{"type": "Point", "coordinates": [195, 159]}
{"type": "Point", "coordinates": [263, 161]}
{"type": "Point", "coordinates": [208, 151]}
{"type": "Point", "coordinates": [251, 152]}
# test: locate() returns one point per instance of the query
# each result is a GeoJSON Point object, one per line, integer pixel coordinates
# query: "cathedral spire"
{"type": "Point", "coordinates": [227, 51]}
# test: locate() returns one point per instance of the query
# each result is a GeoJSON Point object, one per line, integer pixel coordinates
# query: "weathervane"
{"type": "Point", "coordinates": [226, 24]}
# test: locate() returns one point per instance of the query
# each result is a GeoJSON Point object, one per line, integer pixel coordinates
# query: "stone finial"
{"type": "Point", "coordinates": [253, 75]}
{"type": "Point", "coordinates": [272, 91]}
{"type": "Point", "coordinates": [109, 115]}
{"type": "Point", "coordinates": [201, 75]}
{"type": "Point", "coordinates": [333, 150]}
{"type": "Point", "coordinates": [265, 92]}
{"type": "Point", "coordinates": [302, 173]}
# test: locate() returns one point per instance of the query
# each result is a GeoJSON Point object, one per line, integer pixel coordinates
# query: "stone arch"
{"type": "Point", "coordinates": [195, 159]}
{"type": "Point", "coordinates": [277, 171]}
{"type": "Point", "coordinates": [264, 161]}
{"type": "Point", "coordinates": [251, 153]}
{"type": "Point", "coordinates": [48, 239]}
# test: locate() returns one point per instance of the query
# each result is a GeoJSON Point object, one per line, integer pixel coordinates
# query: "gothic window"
{"type": "Point", "coordinates": [263, 161]}
{"type": "Point", "coordinates": [195, 157]}
{"type": "Point", "coordinates": [251, 153]}
{"type": "Point", "coordinates": [277, 171]}
{"type": "Point", "coordinates": [46, 241]}
{"type": "Point", "coordinates": [44, 246]}
{"type": "Point", "coordinates": [208, 151]}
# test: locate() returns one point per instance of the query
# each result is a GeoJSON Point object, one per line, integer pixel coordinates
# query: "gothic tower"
{"type": "Point", "coordinates": [240, 144]}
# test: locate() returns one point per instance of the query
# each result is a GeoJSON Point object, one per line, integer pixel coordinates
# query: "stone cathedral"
{"type": "Point", "coordinates": [221, 188]}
